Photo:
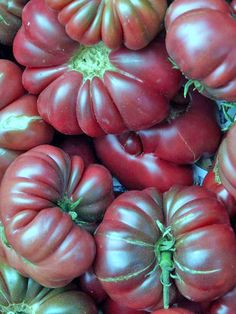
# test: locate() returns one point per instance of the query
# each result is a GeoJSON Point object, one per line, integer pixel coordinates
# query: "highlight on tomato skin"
{"type": "Point", "coordinates": [26, 296]}
{"type": "Point", "coordinates": [92, 89]}
{"type": "Point", "coordinates": [212, 69]}
{"type": "Point", "coordinates": [134, 264]}
{"type": "Point", "coordinates": [116, 23]}
{"type": "Point", "coordinates": [54, 195]}
{"type": "Point", "coordinates": [225, 304]}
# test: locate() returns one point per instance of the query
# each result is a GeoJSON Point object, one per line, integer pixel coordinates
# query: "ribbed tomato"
{"type": "Point", "coordinates": [92, 89]}
{"type": "Point", "coordinates": [48, 201]}
{"type": "Point", "coordinates": [133, 24]}
{"type": "Point", "coordinates": [144, 237]}
{"type": "Point", "coordinates": [20, 295]}
{"type": "Point", "coordinates": [203, 51]}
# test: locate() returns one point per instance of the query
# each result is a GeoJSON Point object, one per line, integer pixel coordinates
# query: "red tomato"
{"type": "Point", "coordinates": [6, 158]}
{"type": "Point", "coordinates": [11, 86]}
{"type": "Point", "coordinates": [123, 155]}
{"type": "Point", "coordinates": [20, 295]}
{"type": "Point", "coordinates": [92, 89]}
{"type": "Point", "coordinates": [80, 145]}
{"type": "Point", "coordinates": [10, 12]}
{"type": "Point", "coordinates": [227, 161]}
{"type": "Point", "coordinates": [90, 284]}
{"type": "Point", "coordinates": [224, 305]}
{"type": "Point", "coordinates": [48, 200]}
{"type": "Point", "coordinates": [203, 51]}
{"type": "Point", "coordinates": [136, 253]}
{"type": "Point", "coordinates": [133, 24]}
{"type": "Point", "coordinates": [212, 183]}
{"type": "Point", "coordinates": [21, 126]}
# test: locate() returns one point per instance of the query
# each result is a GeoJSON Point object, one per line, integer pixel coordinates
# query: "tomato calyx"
{"type": "Point", "coordinates": [216, 173]}
{"type": "Point", "coordinates": [69, 207]}
{"type": "Point", "coordinates": [226, 106]}
{"type": "Point", "coordinates": [164, 252]}
{"type": "Point", "coordinates": [91, 61]}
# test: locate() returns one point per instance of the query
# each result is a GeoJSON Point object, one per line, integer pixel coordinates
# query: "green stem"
{"type": "Point", "coordinates": [164, 253]}
{"type": "Point", "coordinates": [166, 265]}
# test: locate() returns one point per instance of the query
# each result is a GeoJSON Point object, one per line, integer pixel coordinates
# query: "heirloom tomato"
{"type": "Point", "coordinates": [213, 183]}
{"type": "Point", "coordinates": [21, 127]}
{"type": "Point", "coordinates": [6, 158]}
{"type": "Point", "coordinates": [48, 202]}
{"type": "Point", "coordinates": [152, 157]}
{"type": "Point", "coordinates": [124, 156]}
{"type": "Point", "coordinates": [226, 167]}
{"type": "Point", "coordinates": [92, 89]}
{"type": "Point", "coordinates": [89, 283]}
{"type": "Point", "coordinates": [133, 24]}
{"type": "Point", "coordinates": [144, 238]}
{"type": "Point", "coordinates": [10, 21]}
{"type": "Point", "coordinates": [203, 51]}
{"type": "Point", "coordinates": [20, 295]}
{"type": "Point", "coordinates": [80, 145]}
{"type": "Point", "coordinates": [224, 305]}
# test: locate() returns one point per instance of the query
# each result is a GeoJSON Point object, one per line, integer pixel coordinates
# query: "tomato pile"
{"type": "Point", "coordinates": [117, 157]}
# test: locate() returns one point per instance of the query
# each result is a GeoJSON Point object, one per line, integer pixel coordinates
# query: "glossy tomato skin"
{"type": "Point", "coordinates": [115, 23]}
{"type": "Point", "coordinates": [199, 221]}
{"type": "Point", "coordinates": [124, 156]}
{"type": "Point", "coordinates": [127, 242]}
{"type": "Point", "coordinates": [56, 199]}
{"type": "Point", "coordinates": [225, 304]}
{"type": "Point", "coordinates": [203, 60]}
{"type": "Point", "coordinates": [227, 161]}
{"type": "Point", "coordinates": [21, 126]}
{"type": "Point", "coordinates": [125, 261]}
{"type": "Point", "coordinates": [191, 134]}
{"type": "Point", "coordinates": [80, 145]}
{"type": "Point", "coordinates": [173, 311]}
{"type": "Point", "coordinates": [119, 96]}
{"type": "Point", "coordinates": [24, 295]}
{"type": "Point", "coordinates": [90, 284]}
{"type": "Point", "coordinates": [211, 184]}
{"type": "Point", "coordinates": [6, 158]}
{"type": "Point", "coordinates": [11, 81]}
{"type": "Point", "coordinates": [10, 12]}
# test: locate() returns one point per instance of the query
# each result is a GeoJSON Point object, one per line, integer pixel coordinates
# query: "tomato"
{"type": "Point", "coordinates": [227, 161]}
{"type": "Point", "coordinates": [137, 247]}
{"type": "Point", "coordinates": [124, 156]}
{"type": "Point", "coordinates": [89, 283]}
{"type": "Point", "coordinates": [133, 24]}
{"type": "Point", "coordinates": [79, 145]}
{"type": "Point", "coordinates": [212, 183]}
{"type": "Point", "coordinates": [11, 87]}
{"type": "Point", "coordinates": [6, 158]}
{"type": "Point", "coordinates": [24, 295]}
{"type": "Point", "coordinates": [204, 57]}
{"type": "Point", "coordinates": [173, 311]}
{"type": "Point", "coordinates": [21, 127]}
{"type": "Point", "coordinates": [10, 12]}
{"type": "Point", "coordinates": [111, 307]}
{"type": "Point", "coordinates": [185, 131]}
{"type": "Point", "coordinates": [48, 201]}
{"type": "Point", "coordinates": [224, 305]}
{"type": "Point", "coordinates": [141, 159]}
{"type": "Point", "coordinates": [92, 89]}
